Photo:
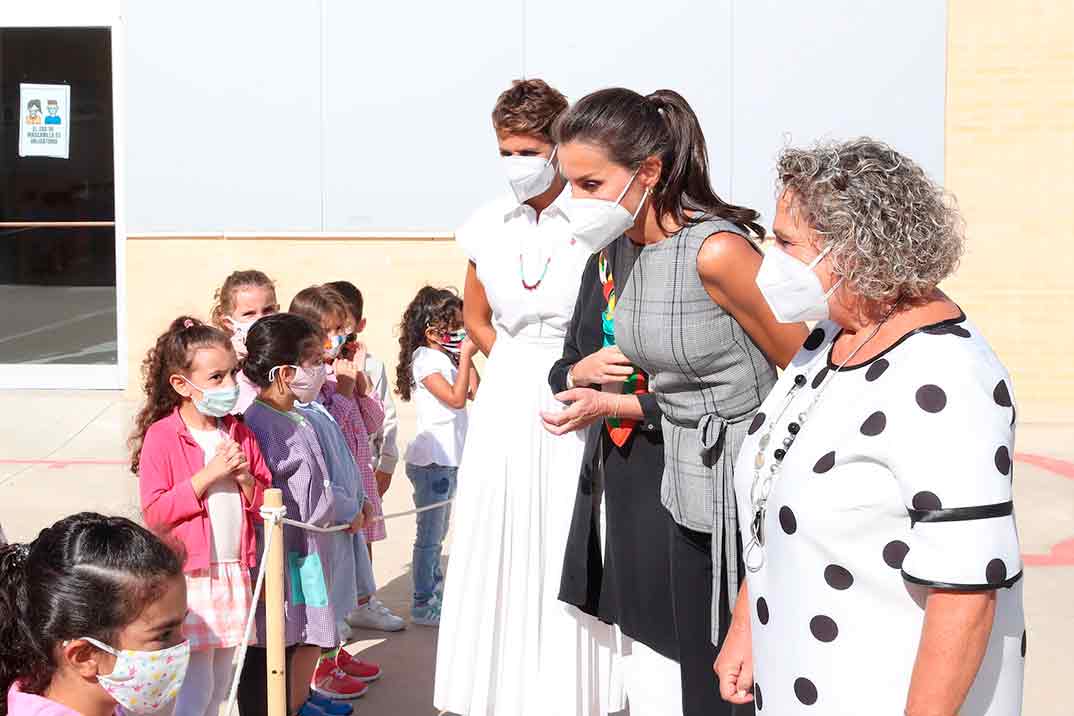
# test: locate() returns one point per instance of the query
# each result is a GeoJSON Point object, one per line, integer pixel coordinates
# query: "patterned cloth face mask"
{"type": "Point", "coordinates": [333, 345]}
{"type": "Point", "coordinates": [145, 682]}
{"type": "Point", "coordinates": [452, 342]}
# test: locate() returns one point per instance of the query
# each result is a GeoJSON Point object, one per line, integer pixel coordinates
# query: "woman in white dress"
{"type": "Point", "coordinates": [507, 645]}
{"type": "Point", "coordinates": [874, 487]}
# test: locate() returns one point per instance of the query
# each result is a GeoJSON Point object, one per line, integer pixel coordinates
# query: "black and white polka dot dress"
{"type": "Point", "coordinates": [899, 480]}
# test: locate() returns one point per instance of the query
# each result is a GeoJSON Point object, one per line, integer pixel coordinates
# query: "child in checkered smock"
{"type": "Point", "coordinates": [202, 478]}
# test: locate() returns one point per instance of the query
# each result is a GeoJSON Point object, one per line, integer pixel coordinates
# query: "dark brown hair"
{"type": "Point", "coordinates": [225, 295]}
{"type": "Point", "coordinates": [173, 353]}
{"type": "Point", "coordinates": [631, 128]}
{"type": "Point", "coordinates": [352, 295]}
{"type": "Point", "coordinates": [317, 303]}
{"type": "Point", "coordinates": [528, 107]}
{"type": "Point", "coordinates": [85, 576]}
{"type": "Point", "coordinates": [279, 339]}
{"type": "Point", "coordinates": [432, 307]}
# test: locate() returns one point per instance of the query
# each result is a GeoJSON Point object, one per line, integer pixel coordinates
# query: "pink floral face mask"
{"type": "Point", "coordinates": [145, 682]}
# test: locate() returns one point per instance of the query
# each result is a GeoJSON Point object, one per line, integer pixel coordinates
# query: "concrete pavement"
{"type": "Point", "coordinates": [65, 451]}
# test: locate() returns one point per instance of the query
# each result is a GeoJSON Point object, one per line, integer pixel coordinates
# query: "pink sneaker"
{"type": "Point", "coordinates": [331, 681]}
{"type": "Point", "coordinates": [351, 666]}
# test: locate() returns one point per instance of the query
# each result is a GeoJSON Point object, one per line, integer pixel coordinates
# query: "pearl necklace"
{"type": "Point", "coordinates": [761, 488]}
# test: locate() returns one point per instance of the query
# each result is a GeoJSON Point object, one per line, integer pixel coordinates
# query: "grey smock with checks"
{"type": "Point", "coordinates": [709, 378]}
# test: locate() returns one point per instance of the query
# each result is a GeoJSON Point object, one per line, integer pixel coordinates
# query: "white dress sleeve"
{"type": "Point", "coordinates": [951, 454]}
{"type": "Point", "coordinates": [469, 236]}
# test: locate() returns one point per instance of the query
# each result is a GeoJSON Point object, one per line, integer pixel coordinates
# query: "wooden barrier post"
{"type": "Point", "coordinates": [274, 614]}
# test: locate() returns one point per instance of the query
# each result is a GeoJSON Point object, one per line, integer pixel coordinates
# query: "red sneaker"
{"type": "Point", "coordinates": [364, 670]}
{"type": "Point", "coordinates": [331, 681]}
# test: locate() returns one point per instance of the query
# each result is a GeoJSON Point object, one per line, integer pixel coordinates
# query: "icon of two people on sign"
{"type": "Point", "coordinates": [33, 112]}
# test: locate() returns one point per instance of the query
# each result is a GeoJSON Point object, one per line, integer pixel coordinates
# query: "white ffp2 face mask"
{"type": "Point", "coordinates": [529, 176]}
{"type": "Point", "coordinates": [791, 288]}
{"type": "Point", "coordinates": [595, 223]}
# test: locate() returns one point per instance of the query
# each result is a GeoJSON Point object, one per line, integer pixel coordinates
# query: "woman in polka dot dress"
{"type": "Point", "coordinates": [874, 486]}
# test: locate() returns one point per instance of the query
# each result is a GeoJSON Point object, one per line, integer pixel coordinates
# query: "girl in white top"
{"type": "Point", "coordinates": [436, 371]}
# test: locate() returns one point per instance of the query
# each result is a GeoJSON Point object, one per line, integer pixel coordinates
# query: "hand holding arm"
{"type": "Point", "coordinates": [587, 406]}
{"type": "Point", "coordinates": [608, 365]}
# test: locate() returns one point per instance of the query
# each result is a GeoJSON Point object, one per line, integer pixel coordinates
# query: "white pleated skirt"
{"type": "Point", "coordinates": [507, 645]}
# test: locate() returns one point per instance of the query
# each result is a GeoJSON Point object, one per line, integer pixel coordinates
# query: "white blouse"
{"type": "Point", "coordinates": [223, 503]}
{"type": "Point", "coordinates": [898, 480]}
{"type": "Point", "coordinates": [441, 430]}
{"type": "Point", "coordinates": [510, 245]}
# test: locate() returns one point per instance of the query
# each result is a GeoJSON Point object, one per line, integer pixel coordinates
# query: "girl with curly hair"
{"type": "Point", "coordinates": [202, 479]}
{"type": "Point", "coordinates": [435, 370]}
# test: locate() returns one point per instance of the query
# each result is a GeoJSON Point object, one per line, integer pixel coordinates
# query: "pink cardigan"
{"type": "Point", "coordinates": [170, 457]}
{"type": "Point", "coordinates": [20, 703]}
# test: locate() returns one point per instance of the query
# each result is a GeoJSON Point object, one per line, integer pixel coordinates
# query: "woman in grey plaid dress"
{"type": "Point", "coordinates": [690, 315]}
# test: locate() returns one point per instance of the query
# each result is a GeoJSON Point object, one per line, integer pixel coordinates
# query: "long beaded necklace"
{"type": "Point", "coordinates": [522, 274]}
{"type": "Point", "coordinates": [761, 488]}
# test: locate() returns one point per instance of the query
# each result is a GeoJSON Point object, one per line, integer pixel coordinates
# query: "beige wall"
{"type": "Point", "coordinates": [162, 283]}
{"type": "Point", "coordinates": [1010, 162]}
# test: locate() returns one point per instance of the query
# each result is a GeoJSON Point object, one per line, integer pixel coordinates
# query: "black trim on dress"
{"type": "Point", "coordinates": [1005, 584]}
{"type": "Point", "coordinates": [961, 514]}
{"type": "Point", "coordinates": [961, 317]}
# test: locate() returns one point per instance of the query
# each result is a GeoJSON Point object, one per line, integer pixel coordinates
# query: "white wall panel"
{"type": "Point", "coordinates": [580, 47]}
{"type": "Point", "coordinates": [331, 115]}
{"type": "Point", "coordinates": [409, 93]}
{"type": "Point", "coordinates": [834, 69]}
{"type": "Point", "coordinates": [223, 115]}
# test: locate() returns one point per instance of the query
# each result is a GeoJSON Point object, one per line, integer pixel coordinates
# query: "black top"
{"type": "Point", "coordinates": [630, 584]}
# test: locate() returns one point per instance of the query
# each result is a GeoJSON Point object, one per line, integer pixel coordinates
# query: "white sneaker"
{"type": "Point", "coordinates": [376, 616]}
{"type": "Point", "coordinates": [345, 632]}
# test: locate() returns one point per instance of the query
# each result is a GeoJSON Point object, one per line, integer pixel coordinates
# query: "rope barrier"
{"type": "Point", "coordinates": [272, 517]}
{"type": "Point", "coordinates": [379, 518]}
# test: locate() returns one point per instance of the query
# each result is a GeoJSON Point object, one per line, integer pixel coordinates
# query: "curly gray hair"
{"type": "Point", "coordinates": [894, 233]}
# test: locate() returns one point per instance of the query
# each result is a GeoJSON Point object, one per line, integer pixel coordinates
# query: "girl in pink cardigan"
{"type": "Point", "coordinates": [202, 479]}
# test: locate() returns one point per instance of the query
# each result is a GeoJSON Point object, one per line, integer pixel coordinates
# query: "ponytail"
{"type": "Point", "coordinates": [631, 128]}
{"type": "Point", "coordinates": [173, 353]}
{"type": "Point", "coordinates": [16, 652]}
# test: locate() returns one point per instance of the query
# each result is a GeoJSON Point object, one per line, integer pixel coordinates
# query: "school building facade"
{"type": "Point", "coordinates": [100, 249]}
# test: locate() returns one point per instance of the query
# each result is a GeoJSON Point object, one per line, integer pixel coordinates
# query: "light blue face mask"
{"type": "Point", "coordinates": [216, 402]}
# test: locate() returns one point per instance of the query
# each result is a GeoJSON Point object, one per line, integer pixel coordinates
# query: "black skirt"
{"type": "Point", "coordinates": [630, 586]}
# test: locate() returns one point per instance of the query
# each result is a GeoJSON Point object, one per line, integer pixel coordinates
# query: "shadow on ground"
{"type": "Point", "coordinates": [407, 658]}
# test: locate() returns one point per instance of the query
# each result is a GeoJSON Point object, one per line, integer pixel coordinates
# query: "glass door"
{"type": "Point", "coordinates": [60, 321]}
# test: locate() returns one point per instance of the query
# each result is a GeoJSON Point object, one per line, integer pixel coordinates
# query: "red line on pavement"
{"type": "Point", "coordinates": [1063, 468]}
{"type": "Point", "coordinates": [1060, 555]}
{"type": "Point", "coordinates": [59, 464]}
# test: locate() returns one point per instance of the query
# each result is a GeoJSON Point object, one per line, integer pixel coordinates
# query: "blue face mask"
{"type": "Point", "coordinates": [216, 402]}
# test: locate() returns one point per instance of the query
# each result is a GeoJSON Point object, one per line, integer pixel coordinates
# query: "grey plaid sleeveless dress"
{"type": "Point", "coordinates": [709, 378]}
